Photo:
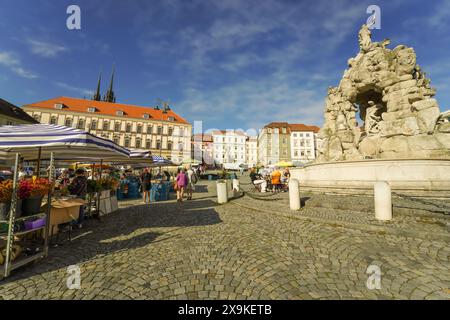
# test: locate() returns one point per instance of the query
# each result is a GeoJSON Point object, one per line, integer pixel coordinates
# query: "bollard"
{"type": "Point", "coordinates": [222, 192]}
{"type": "Point", "coordinates": [294, 195]}
{"type": "Point", "coordinates": [235, 184]}
{"type": "Point", "coordinates": [383, 201]}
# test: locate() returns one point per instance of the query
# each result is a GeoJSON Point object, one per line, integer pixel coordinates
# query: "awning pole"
{"type": "Point", "coordinates": [51, 177]}
{"type": "Point", "coordinates": [39, 162]}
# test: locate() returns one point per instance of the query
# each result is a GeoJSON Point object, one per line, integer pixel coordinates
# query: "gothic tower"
{"type": "Point", "coordinates": [110, 96]}
{"type": "Point", "coordinates": [97, 96]}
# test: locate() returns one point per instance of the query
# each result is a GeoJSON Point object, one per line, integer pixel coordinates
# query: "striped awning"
{"type": "Point", "coordinates": [65, 142]}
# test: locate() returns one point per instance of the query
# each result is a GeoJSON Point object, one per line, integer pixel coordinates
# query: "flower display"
{"type": "Point", "coordinates": [35, 187]}
{"type": "Point", "coordinates": [6, 188]}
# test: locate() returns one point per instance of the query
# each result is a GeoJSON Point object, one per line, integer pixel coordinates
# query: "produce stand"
{"type": "Point", "coordinates": [41, 142]}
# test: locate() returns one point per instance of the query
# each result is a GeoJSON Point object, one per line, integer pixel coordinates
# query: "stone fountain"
{"type": "Point", "coordinates": [404, 139]}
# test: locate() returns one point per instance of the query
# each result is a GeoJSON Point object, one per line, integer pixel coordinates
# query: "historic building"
{"type": "Point", "coordinates": [304, 143]}
{"type": "Point", "coordinates": [251, 158]}
{"type": "Point", "coordinates": [159, 130]}
{"type": "Point", "coordinates": [229, 146]}
{"type": "Point", "coordinates": [13, 115]}
{"type": "Point", "coordinates": [281, 141]}
{"type": "Point", "coordinates": [202, 148]}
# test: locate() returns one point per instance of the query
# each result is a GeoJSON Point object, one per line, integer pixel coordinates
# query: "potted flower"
{"type": "Point", "coordinates": [32, 191]}
{"type": "Point", "coordinates": [6, 188]}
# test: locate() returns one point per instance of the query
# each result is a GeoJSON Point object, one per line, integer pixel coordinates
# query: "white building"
{"type": "Point", "coordinates": [252, 151]}
{"type": "Point", "coordinates": [303, 143]}
{"type": "Point", "coordinates": [229, 147]}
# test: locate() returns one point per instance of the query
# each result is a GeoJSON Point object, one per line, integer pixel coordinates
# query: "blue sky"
{"type": "Point", "coordinates": [230, 63]}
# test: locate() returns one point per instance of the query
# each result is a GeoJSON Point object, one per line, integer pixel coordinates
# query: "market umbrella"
{"type": "Point", "coordinates": [284, 164]}
{"type": "Point", "coordinates": [38, 141]}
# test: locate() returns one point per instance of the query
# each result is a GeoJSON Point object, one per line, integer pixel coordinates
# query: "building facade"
{"type": "Point", "coordinates": [251, 151]}
{"type": "Point", "coordinates": [161, 131]}
{"type": "Point", "coordinates": [274, 143]}
{"type": "Point", "coordinates": [229, 146]}
{"type": "Point", "coordinates": [11, 115]}
{"type": "Point", "coordinates": [202, 148]}
{"type": "Point", "coordinates": [281, 141]}
{"type": "Point", "coordinates": [303, 143]}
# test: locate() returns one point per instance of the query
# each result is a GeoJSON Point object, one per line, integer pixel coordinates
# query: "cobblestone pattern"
{"type": "Point", "coordinates": [208, 251]}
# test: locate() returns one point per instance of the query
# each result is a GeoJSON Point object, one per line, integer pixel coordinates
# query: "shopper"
{"type": "Point", "coordinates": [181, 182]}
{"type": "Point", "coordinates": [78, 187]}
{"type": "Point", "coordinates": [191, 181]}
{"type": "Point", "coordinates": [146, 185]}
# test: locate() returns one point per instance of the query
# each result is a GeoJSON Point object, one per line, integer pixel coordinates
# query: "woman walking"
{"type": "Point", "coordinates": [181, 184]}
{"type": "Point", "coordinates": [146, 185]}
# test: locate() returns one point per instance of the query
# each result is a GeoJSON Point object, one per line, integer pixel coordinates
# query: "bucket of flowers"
{"type": "Point", "coordinates": [32, 191]}
{"type": "Point", "coordinates": [6, 188]}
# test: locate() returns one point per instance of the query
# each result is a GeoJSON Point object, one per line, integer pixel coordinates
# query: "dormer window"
{"type": "Point", "coordinates": [59, 106]}
{"type": "Point", "coordinates": [146, 116]}
{"type": "Point", "coordinates": [92, 109]}
{"type": "Point", "coordinates": [171, 118]}
{"type": "Point", "coordinates": [119, 113]}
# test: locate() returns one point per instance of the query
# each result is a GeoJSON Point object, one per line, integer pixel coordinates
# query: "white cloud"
{"type": "Point", "coordinates": [69, 87]}
{"type": "Point", "coordinates": [45, 49]}
{"type": "Point", "coordinates": [13, 63]}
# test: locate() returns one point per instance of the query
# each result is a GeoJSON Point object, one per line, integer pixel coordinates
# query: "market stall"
{"type": "Point", "coordinates": [25, 229]}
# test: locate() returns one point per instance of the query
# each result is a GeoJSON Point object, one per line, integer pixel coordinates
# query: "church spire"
{"type": "Point", "coordinates": [110, 96]}
{"type": "Point", "coordinates": [97, 96]}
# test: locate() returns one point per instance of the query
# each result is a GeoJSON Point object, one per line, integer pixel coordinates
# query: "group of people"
{"type": "Point", "coordinates": [267, 179]}
{"type": "Point", "coordinates": [184, 183]}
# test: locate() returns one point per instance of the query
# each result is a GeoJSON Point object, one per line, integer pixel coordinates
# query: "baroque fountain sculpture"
{"type": "Point", "coordinates": [401, 120]}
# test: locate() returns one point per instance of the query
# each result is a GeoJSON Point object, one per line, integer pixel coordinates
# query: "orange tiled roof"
{"type": "Point", "coordinates": [303, 127]}
{"type": "Point", "coordinates": [108, 108]}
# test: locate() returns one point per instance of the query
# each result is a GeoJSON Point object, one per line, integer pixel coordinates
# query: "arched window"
{"type": "Point", "coordinates": [116, 139]}
{"type": "Point", "coordinates": [138, 143]}
{"type": "Point", "coordinates": [128, 128]}
{"type": "Point", "coordinates": [80, 124]}
{"type": "Point", "coordinates": [68, 122]}
{"type": "Point", "coordinates": [105, 125]}
{"type": "Point", "coordinates": [127, 142]}
{"type": "Point", "coordinates": [117, 127]}
{"type": "Point", "coordinates": [139, 128]}
{"type": "Point", "coordinates": [94, 125]}
{"type": "Point", "coordinates": [148, 144]}
{"type": "Point", "coordinates": [37, 117]}
{"type": "Point", "coordinates": [169, 145]}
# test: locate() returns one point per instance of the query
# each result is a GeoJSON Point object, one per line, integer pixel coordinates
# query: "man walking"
{"type": "Point", "coordinates": [191, 181]}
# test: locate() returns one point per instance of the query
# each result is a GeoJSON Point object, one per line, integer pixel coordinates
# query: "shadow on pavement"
{"type": "Point", "coordinates": [126, 229]}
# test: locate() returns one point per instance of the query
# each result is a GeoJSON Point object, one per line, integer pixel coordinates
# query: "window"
{"type": "Point", "coordinates": [105, 125]}
{"type": "Point", "coordinates": [159, 131]}
{"type": "Point", "coordinates": [307, 135]}
{"type": "Point", "coordinates": [37, 117]}
{"type": "Point", "coordinates": [295, 153]}
{"type": "Point", "coordinates": [59, 106]}
{"type": "Point", "coordinates": [68, 122]}
{"type": "Point", "coordinates": [148, 144]}
{"type": "Point", "coordinates": [158, 144]}
{"type": "Point", "coordinates": [283, 130]}
{"type": "Point", "coordinates": [53, 120]}
{"type": "Point", "coordinates": [116, 139]}
{"type": "Point", "coordinates": [169, 145]}
{"type": "Point", "coordinates": [80, 124]}
{"type": "Point", "coordinates": [146, 116]}
{"type": "Point", "coordinates": [94, 125]}
{"type": "Point", "coordinates": [127, 142]}
{"type": "Point", "coordinates": [117, 127]}
{"type": "Point", "coordinates": [91, 109]}
{"type": "Point", "coordinates": [139, 128]}
{"type": "Point", "coordinates": [170, 131]}
{"type": "Point", "coordinates": [294, 135]}
{"type": "Point", "coordinates": [9, 123]}
{"type": "Point", "coordinates": [128, 128]}
{"type": "Point", "coordinates": [149, 128]}
{"type": "Point", "coordinates": [119, 113]}
{"type": "Point", "coordinates": [171, 119]}
{"type": "Point", "coordinates": [138, 143]}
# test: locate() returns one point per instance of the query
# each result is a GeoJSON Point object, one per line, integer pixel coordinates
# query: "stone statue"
{"type": "Point", "coordinates": [373, 117]}
{"type": "Point", "coordinates": [365, 38]}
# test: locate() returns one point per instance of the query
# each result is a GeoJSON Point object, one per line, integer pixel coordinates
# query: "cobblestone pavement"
{"type": "Point", "coordinates": [245, 249]}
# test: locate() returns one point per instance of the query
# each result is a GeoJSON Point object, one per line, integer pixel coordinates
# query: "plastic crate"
{"type": "Point", "coordinates": [34, 224]}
